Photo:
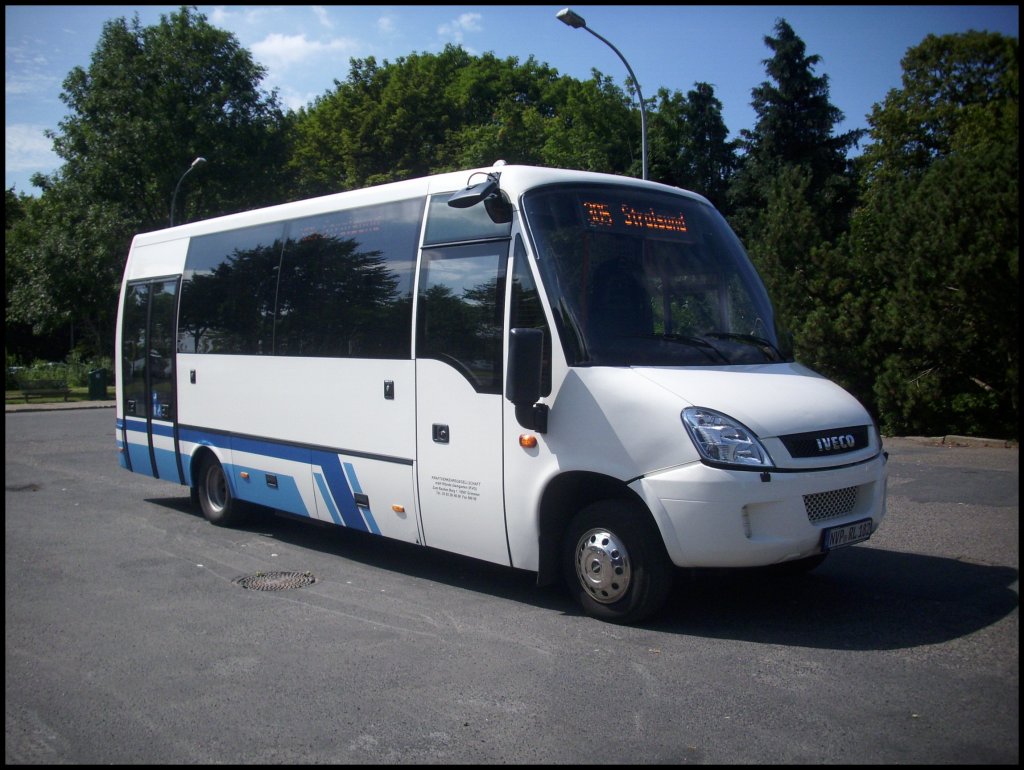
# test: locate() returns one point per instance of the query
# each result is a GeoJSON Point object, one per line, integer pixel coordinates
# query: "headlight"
{"type": "Point", "coordinates": [722, 440]}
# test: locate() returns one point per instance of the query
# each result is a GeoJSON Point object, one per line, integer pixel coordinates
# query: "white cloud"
{"type": "Point", "coordinates": [26, 148]}
{"type": "Point", "coordinates": [28, 83]}
{"type": "Point", "coordinates": [455, 30]}
{"type": "Point", "coordinates": [28, 72]}
{"type": "Point", "coordinates": [277, 50]}
{"type": "Point", "coordinates": [322, 17]}
{"type": "Point", "coordinates": [295, 100]}
{"type": "Point", "coordinates": [471, 22]}
{"type": "Point", "coordinates": [218, 16]}
{"type": "Point", "coordinates": [386, 25]}
{"type": "Point", "coordinates": [227, 19]}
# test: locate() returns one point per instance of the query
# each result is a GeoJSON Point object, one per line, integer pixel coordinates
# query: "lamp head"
{"type": "Point", "coordinates": [570, 17]}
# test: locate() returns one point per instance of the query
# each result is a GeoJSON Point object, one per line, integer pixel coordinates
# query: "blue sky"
{"type": "Point", "coordinates": [305, 48]}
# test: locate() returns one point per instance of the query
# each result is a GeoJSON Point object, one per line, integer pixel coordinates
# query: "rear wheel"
{"type": "Point", "coordinates": [219, 506]}
{"type": "Point", "coordinates": [615, 563]}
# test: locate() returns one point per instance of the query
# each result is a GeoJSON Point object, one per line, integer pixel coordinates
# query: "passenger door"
{"type": "Point", "coordinates": [148, 429]}
{"type": "Point", "coordinates": [459, 364]}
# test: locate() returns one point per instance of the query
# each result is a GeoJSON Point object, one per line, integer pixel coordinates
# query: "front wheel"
{"type": "Point", "coordinates": [219, 506]}
{"type": "Point", "coordinates": [615, 563]}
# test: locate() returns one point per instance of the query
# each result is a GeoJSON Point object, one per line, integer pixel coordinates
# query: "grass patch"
{"type": "Point", "coordinates": [76, 394]}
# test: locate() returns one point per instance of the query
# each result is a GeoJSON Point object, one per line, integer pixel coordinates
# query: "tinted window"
{"type": "Point", "coordinates": [228, 291]}
{"type": "Point", "coordinates": [337, 284]}
{"type": "Point", "coordinates": [346, 283]}
{"type": "Point", "coordinates": [647, 278]}
{"type": "Point", "coordinates": [147, 349]}
{"type": "Point", "coordinates": [134, 322]}
{"type": "Point", "coordinates": [461, 308]}
{"type": "Point", "coordinates": [526, 311]}
{"type": "Point", "coordinates": [450, 225]}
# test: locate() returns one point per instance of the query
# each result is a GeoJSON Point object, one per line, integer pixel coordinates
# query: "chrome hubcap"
{"type": "Point", "coordinates": [602, 565]}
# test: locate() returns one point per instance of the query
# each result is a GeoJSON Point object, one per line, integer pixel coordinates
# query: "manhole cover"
{"type": "Point", "coordinates": [275, 581]}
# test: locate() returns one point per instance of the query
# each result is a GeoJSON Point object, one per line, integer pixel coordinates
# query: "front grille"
{"type": "Point", "coordinates": [824, 443]}
{"type": "Point", "coordinates": [823, 506]}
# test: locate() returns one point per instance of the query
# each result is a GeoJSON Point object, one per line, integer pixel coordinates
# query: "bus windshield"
{"type": "Point", "coordinates": [646, 278]}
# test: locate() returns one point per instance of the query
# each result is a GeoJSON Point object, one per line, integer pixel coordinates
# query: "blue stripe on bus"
{"type": "Point", "coordinates": [271, 449]}
{"type": "Point", "coordinates": [139, 426]}
{"type": "Point", "coordinates": [353, 480]}
{"type": "Point", "coordinates": [338, 482]}
{"type": "Point", "coordinates": [325, 493]}
{"type": "Point", "coordinates": [330, 464]}
{"type": "Point", "coordinates": [166, 464]}
{"type": "Point", "coordinates": [219, 440]}
{"type": "Point", "coordinates": [139, 456]}
{"type": "Point", "coordinates": [137, 453]}
{"type": "Point", "coordinates": [122, 449]}
{"type": "Point", "coordinates": [163, 429]}
{"type": "Point", "coordinates": [284, 497]}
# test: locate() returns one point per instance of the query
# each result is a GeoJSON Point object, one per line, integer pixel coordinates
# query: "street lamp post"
{"type": "Point", "coordinates": [574, 20]}
{"type": "Point", "coordinates": [174, 197]}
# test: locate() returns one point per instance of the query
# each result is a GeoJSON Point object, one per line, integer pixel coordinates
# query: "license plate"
{"type": "Point", "coordinates": [848, 534]}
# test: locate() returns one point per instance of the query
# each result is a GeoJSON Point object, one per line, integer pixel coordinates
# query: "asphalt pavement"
{"type": "Point", "coordinates": [134, 635]}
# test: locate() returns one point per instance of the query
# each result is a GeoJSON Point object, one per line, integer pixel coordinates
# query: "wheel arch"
{"type": "Point", "coordinates": [564, 496]}
{"type": "Point", "coordinates": [196, 461]}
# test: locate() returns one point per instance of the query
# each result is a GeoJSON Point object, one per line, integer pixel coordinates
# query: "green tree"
{"type": "Point", "coordinates": [794, 190]}
{"type": "Point", "coordinates": [595, 129]}
{"type": "Point", "coordinates": [937, 240]}
{"type": "Point", "coordinates": [511, 107]}
{"type": "Point", "coordinates": [152, 99]}
{"type": "Point", "coordinates": [795, 126]}
{"type": "Point", "coordinates": [689, 143]}
{"type": "Point", "coordinates": [14, 207]}
{"type": "Point", "coordinates": [429, 113]}
{"type": "Point", "coordinates": [65, 259]}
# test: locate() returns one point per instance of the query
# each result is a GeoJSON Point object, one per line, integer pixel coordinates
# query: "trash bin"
{"type": "Point", "coordinates": [98, 385]}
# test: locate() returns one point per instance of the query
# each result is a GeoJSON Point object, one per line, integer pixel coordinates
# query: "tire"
{"type": "Point", "coordinates": [219, 506]}
{"type": "Point", "coordinates": [614, 562]}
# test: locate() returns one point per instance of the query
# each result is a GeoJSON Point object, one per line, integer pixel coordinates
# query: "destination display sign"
{"type": "Point", "coordinates": [626, 216]}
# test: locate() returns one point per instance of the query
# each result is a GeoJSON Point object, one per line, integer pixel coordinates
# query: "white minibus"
{"type": "Point", "coordinates": [572, 373]}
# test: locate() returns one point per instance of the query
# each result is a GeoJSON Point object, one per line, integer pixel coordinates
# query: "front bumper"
{"type": "Point", "coordinates": [712, 517]}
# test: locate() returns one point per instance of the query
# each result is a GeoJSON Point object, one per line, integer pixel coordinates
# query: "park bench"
{"type": "Point", "coordinates": [43, 387]}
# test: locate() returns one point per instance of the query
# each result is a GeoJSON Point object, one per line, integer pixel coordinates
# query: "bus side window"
{"type": "Point", "coordinates": [526, 311]}
{"type": "Point", "coordinates": [460, 311]}
{"type": "Point", "coordinates": [163, 307]}
{"type": "Point", "coordinates": [147, 343]}
{"type": "Point", "coordinates": [133, 349]}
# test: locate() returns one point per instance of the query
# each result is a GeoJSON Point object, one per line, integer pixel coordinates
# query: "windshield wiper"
{"type": "Point", "coordinates": [701, 344]}
{"type": "Point", "coordinates": [753, 339]}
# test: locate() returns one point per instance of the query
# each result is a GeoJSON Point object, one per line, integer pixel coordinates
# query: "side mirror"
{"type": "Point", "coordinates": [494, 200]}
{"type": "Point", "coordinates": [473, 194]}
{"type": "Point", "coordinates": [522, 385]}
{"type": "Point", "coordinates": [498, 208]}
{"type": "Point", "coordinates": [525, 351]}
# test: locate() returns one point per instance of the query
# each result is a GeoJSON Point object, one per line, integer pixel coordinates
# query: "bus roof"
{"type": "Point", "coordinates": [515, 179]}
